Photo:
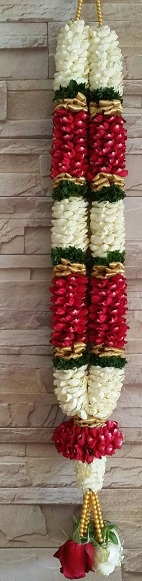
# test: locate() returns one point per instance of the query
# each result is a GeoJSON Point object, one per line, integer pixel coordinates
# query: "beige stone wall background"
{"type": "Point", "coordinates": [37, 488]}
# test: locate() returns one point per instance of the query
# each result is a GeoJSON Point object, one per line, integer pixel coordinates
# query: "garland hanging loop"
{"type": "Point", "coordinates": [78, 11]}
{"type": "Point", "coordinates": [99, 12]}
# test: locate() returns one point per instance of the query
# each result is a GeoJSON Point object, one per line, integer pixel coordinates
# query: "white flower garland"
{"type": "Point", "coordinates": [72, 57]}
{"type": "Point", "coordinates": [90, 476]}
{"type": "Point", "coordinates": [83, 395]}
{"type": "Point", "coordinates": [105, 59]}
{"type": "Point", "coordinates": [107, 227]}
{"type": "Point", "coordinates": [69, 223]}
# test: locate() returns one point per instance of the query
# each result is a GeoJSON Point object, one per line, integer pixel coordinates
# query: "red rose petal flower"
{"type": "Point", "coordinates": [76, 559]}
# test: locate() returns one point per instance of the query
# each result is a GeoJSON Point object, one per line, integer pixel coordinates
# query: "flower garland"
{"type": "Point", "coordinates": [88, 314]}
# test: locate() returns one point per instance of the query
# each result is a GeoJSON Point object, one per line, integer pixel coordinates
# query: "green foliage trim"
{"type": "Point", "coordinates": [111, 194]}
{"type": "Point", "coordinates": [70, 91]}
{"type": "Point", "coordinates": [114, 361]}
{"type": "Point", "coordinates": [108, 534]}
{"type": "Point", "coordinates": [107, 93]}
{"type": "Point", "coordinates": [60, 363]}
{"type": "Point", "coordinates": [114, 256]}
{"type": "Point", "coordinates": [68, 189]}
{"type": "Point", "coordinates": [71, 253]}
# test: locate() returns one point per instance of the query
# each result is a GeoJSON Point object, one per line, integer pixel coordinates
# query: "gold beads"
{"type": "Point", "coordinates": [91, 501]}
{"type": "Point", "coordinates": [99, 12]}
{"type": "Point", "coordinates": [85, 515]}
{"type": "Point", "coordinates": [78, 12]}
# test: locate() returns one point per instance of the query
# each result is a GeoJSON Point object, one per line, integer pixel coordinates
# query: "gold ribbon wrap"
{"type": "Point", "coordinates": [66, 267]}
{"type": "Point", "coordinates": [103, 179]}
{"type": "Point", "coordinates": [70, 352]}
{"type": "Point", "coordinates": [113, 107]}
{"type": "Point", "coordinates": [103, 271]}
{"type": "Point", "coordinates": [66, 176]}
{"type": "Point", "coordinates": [104, 351]}
{"type": "Point", "coordinates": [77, 103]}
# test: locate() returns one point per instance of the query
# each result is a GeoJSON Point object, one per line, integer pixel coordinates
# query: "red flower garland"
{"type": "Point", "coordinates": [70, 143]}
{"type": "Point", "coordinates": [107, 323]}
{"type": "Point", "coordinates": [69, 308]}
{"type": "Point", "coordinates": [84, 443]}
{"type": "Point", "coordinates": [107, 137]}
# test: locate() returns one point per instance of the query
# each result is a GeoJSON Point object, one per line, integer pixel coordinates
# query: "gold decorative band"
{"type": "Point", "coordinates": [104, 351]}
{"type": "Point", "coordinates": [66, 176]}
{"type": "Point", "coordinates": [103, 271]}
{"type": "Point", "coordinates": [66, 267]}
{"type": "Point", "coordinates": [72, 352]}
{"type": "Point", "coordinates": [78, 103]}
{"type": "Point", "coordinates": [91, 422]}
{"type": "Point", "coordinates": [113, 107]}
{"type": "Point", "coordinates": [103, 179]}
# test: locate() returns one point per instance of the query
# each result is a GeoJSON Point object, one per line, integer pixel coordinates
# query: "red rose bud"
{"type": "Point", "coordinates": [83, 443]}
{"type": "Point", "coordinates": [107, 145]}
{"type": "Point", "coordinates": [107, 323]}
{"type": "Point", "coordinates": [69, 129]}
{"type": "Point", "coordinates": [76, 559]}
{"type": "Point", "coordinates": [69, 310]}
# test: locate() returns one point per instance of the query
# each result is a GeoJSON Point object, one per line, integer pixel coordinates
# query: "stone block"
{"type": "Point", "coordinates": [3, 101]}
{"type": "Point", "coordinates": [35, 10]}
{"type": "Point", "coordinates": [16, 522]}
{"type": "Point", "coordinates": [134, 179]}
{"type": "Point", "coordinates": [25, 207]}
{"type": "Point", "coordinates": [20, 185]}
{"type": "Point", "coordinates": [30, 104]}
{"type": "Point", "coordinates": [37, 240]}
{"type": "Point", "coordinates": [26, 128]}
{"type": "Point", "coordinates": [27, 146]}
{"type": "Point", "coordinates": [19, 163]}
{"type": "Point", "coordinates": [22, 35]}
{"type": "Point", "coordinates": [21, 64]}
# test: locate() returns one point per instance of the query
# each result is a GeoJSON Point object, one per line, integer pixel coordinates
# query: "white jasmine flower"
{"type": "Point", "coordinates": [71, 390]}
{"type": "Point", "coordinates": [107, 227]}
{"type": "Point", "coordinates": [109, 557]}
{"type": "Point", "coordinates": [104, 388]}
{"type": "Point", "coordinates": [90, 476]}
{"type": "Point", "coordinates": [69, 223]}
{"type": "Point", "coordinates": [105, 59]}
{"type": "Point", "coordinates": [72, 54]}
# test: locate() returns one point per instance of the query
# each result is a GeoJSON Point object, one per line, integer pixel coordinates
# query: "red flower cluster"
{"type": "Point", "coordinates": [84, 443]}
{"type": "Point", "coordinates": [76, 559]}
{"type": "Point", "coordinates": [69, 152]}
{"type": "Point", "coordinates": [69, 308]}
{"type": "Point", "coordinates": [107, 145]}
{"type": "Point", "coordinates": [107, 323]}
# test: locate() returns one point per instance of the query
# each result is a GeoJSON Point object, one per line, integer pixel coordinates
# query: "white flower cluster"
{"type": "Point", "coordinates": [109, 557]}
{"type": "Point", "coordinates": [90, 476]}
{"type": "Point", "coordinates": [72, 54]}
{"type": "Point", "coordinates": [105, 59]}
{"type": "Point", "coordinates": [69, 223]}
{"type": "Point", "coordinates": [104, 388]}
{"type": "Point", "coordinates": [83, 395]}
{"type": "Point", "coordinates": [71, 390]}
{"type": "Point", "coordinates": [107, 227]}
